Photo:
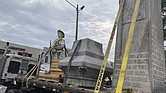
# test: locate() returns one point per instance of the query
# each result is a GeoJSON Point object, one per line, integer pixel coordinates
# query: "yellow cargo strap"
{"type": "Point", "coordinates": [127, 48]}
{"type": "Point", "coordinates": [104, 62]}
{"type": "Point", "coordinates": [29, 74]}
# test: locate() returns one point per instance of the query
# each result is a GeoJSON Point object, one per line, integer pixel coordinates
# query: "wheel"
{"type": "Point", "coordinates": [14, 91]}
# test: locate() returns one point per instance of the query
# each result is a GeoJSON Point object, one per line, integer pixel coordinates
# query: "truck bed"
{"type": "Point", "coordinates": [52, 86]}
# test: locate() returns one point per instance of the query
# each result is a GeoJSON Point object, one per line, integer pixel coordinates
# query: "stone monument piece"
{"type": "Point", "coordinates": [146, 63]}
{"type": "Point", "coordinates": [85, 64]}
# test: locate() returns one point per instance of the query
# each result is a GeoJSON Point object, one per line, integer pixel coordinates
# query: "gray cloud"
{"type": "Point", "coordinates": [35, 22]}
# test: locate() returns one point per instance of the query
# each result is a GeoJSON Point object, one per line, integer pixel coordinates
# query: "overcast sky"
{"type": "Point", "coordinates": [35, 22]}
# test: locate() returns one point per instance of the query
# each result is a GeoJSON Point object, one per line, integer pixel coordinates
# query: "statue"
{"type": "Point", "coordinates": [60, 46]}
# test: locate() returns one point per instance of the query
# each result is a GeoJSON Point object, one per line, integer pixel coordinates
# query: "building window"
{"type": "Point", "coordinates": [24, 64]}
{"type": "Point", "coordinates": [30, 67]}
{"type": "Point", "coordinates": [13, 67]}
{"type": "Point", "coordinates": [46, 59]}
{"type": "Point", "coordinates": [2, 51]}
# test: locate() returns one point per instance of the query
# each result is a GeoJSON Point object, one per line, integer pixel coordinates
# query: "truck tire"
{"type": "Point", "coordinates": [14, 91]}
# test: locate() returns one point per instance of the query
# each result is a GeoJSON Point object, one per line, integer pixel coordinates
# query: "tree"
{"type": "Point", "coordinates": [164, 17]}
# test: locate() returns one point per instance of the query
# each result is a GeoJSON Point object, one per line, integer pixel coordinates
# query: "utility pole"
{"type": "Point", "coordinates": [50, 57]}
{"type": "Point", "coordinates": [77, 14]}
{"type": "Point", "coordinates": [76, 36]}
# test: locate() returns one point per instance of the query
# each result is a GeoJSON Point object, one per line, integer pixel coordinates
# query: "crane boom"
{"type": "Point", "coordinates": [103, 66]}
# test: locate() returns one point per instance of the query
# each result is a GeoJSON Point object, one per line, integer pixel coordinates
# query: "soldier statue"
{"type": "Point", "coordinates": [60, 45]}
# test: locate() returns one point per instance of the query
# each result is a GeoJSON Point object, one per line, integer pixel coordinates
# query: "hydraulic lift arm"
{"type": "Point", "coordinates": [103, 66]}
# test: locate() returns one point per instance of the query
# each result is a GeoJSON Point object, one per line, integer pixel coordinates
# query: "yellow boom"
{"type": "Point", "coordinates": [127, 49]}
{"type": "Point", "coordinates": [103, 66]}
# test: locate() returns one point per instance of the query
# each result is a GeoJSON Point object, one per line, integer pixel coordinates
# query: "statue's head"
{"type": "Point", "coordinates": [61, 34]}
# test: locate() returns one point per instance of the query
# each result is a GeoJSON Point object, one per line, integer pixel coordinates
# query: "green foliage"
{"type": "Point", "coordinates": [164, 17]}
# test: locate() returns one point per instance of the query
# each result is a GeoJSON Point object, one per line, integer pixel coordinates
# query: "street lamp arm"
{"type": "Point", "coordinates": [71, 4]}
{"type": "Point", "coordinates": [77, 12]}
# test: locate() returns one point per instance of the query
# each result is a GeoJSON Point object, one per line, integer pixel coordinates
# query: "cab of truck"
{"type": "Point", "coordinates": [16, 66]}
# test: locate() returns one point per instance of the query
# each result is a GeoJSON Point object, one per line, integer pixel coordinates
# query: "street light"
{"type": "Point", "coordinates": [77, 13]}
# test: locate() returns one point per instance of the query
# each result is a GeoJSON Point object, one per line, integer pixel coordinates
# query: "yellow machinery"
{"type": "Point", "coordinates": [126, 53]}
{"type": "Point", "coordinates": [103, 66]}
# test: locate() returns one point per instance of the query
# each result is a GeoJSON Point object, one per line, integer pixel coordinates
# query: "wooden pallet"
{"type": "Point", "coordinates": [54, 74]}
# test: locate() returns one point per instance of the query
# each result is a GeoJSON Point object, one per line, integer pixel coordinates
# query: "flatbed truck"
{"type": "Point", "coordinates": [17, 75]}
